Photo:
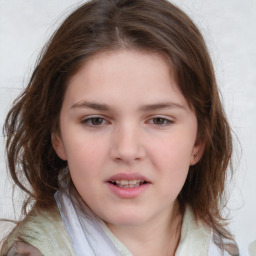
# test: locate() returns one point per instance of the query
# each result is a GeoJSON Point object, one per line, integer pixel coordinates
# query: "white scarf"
{"type": "Point", "coordinates": [85, 229]}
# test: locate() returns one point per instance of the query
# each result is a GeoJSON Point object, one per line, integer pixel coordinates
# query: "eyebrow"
{"type": "Point", "coordinates": [166, 105]}
{"type": "Point", "coordinates": [92, 105]}
{"type": "Point", "coordinates": [143, 108]}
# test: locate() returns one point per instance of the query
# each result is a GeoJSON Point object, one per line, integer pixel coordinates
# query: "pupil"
{"type": "Point", "coordinates": [96, 121]}
{"type": "Point", "coordinates": [158, 120]}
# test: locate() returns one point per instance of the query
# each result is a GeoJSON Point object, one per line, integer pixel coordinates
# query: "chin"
{"type": "Point", "coordinates": [126, 219]}
{"type": "Point", "coordinates": [125, 222]}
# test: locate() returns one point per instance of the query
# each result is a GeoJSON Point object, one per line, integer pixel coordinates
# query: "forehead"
{"type": "Point", "coordinates": [118, 60]}
{"type": "Point", "coordinates": [129, 73]}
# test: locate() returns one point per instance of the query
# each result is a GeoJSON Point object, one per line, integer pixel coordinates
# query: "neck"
{"type": "Point", "coordinates": [159, 236]}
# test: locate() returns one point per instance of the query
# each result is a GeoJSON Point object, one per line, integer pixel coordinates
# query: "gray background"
{"type": "Point", "coordinates": [229, 27]}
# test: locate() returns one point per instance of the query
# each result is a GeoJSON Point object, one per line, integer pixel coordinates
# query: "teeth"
{"type": "Point", "coordinates": [133, 182]}
{"type": "Point", "coordinates": [128, 183]}
{"type": "Point", "coordinates": [124, 182]}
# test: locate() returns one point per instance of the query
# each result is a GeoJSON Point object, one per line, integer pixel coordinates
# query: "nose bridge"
{"type": "Point", "coordinates": [127, 144]}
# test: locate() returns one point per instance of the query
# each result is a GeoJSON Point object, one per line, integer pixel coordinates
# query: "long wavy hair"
{"type": "Point", "coordinates": [100, 25]}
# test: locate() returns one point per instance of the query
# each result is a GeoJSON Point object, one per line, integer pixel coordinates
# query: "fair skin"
{"type": "Point", "coordinates": [129, 138]}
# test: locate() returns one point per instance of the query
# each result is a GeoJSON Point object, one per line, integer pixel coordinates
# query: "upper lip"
{"type": "Point", "coordinates": [127, 176]}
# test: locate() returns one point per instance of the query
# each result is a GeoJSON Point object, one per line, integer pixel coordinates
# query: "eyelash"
{"type": "Point", "coordinates": [89, 121]}
{"type": "Point", "coordinates": [153, 121]}
{"type": "Point", "coordinates": [165, 121]}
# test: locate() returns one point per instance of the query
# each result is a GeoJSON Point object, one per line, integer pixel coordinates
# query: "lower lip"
{"type": "Point", "coordinates": [128, 192]}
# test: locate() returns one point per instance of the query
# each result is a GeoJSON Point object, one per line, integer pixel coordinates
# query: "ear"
{"type": "Point", "coordinates": [197, 152]}
{"type": "Point", "coordinates": [58, 146]}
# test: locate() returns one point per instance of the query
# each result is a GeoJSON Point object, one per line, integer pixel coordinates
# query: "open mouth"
{"type": "Point", "coordinates": [128, 183]}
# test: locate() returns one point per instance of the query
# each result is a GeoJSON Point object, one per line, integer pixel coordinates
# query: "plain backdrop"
{"type": "Point", "coordinates": [229, 27]}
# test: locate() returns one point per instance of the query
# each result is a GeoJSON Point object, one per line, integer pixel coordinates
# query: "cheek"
{"type": "Point", "coordinates": [86, 157]}
{"type": "Point", "coordinates": [171, 159]}
{"type": "Point", "coordinates": [85, 169]}
{"type": "Point", "coordinates": [173, 151]}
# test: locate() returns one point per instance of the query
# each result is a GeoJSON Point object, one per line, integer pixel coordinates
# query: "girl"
{"type": "Point", "coordinates": [120, 139]}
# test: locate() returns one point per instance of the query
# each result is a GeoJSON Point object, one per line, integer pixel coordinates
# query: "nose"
{"type": "Point", "coordinates": [127, 144]}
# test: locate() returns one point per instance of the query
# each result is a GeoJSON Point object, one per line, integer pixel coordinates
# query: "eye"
{"type": "Point", "coordinates": [160, 121]}
{"type": "Point", "coordinates": [94, 121]}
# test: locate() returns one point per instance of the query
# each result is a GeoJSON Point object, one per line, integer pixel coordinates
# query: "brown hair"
{"type": "Point", "coordinates": [154, 25]}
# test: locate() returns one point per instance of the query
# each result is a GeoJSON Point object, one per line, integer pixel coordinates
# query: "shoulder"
{"type": "Point", "coordinates": [195, 236]}
{"type": "Point", "coordinates": [198, 237]}
{"type": "Point", "coordinates": [222, 246]}
{"type": "Point", "coordinates": [41, 229]}
{"type": "Point", "coordinates": [21, 248]}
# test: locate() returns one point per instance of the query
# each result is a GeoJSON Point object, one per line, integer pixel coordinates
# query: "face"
{"type": "Point", "coordinates": [128, 136]}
